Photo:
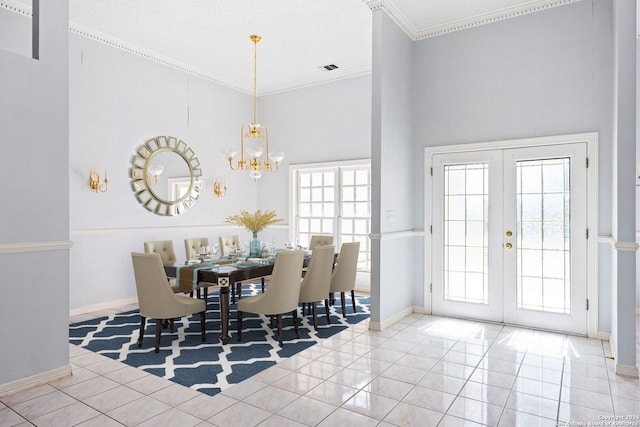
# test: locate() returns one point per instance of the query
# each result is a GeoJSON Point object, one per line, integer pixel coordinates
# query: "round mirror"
{"type": "Point", "coordinates": [166, 176]}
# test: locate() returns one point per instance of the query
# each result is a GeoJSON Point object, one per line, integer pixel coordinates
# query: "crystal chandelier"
{"type": "Point", "coordinates": [254, 138]}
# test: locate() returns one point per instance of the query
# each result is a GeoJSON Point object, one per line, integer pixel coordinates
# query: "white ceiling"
{"type": "Point", "coordinates": [211, 37]}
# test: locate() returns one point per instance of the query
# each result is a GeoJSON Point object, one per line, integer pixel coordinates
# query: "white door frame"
{"type": "Point", "coordinates": [591, 139]}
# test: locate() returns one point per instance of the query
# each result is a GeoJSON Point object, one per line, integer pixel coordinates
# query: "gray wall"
{"type": "Point", "coordinates": [393, 254]}
{"type": "Point", "coordinates": [547, 73]}
{"type": "Point", "coordinates": [34, 130]}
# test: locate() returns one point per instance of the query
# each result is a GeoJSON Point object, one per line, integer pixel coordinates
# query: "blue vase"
{"type": "Point", "coordinates": [255, 248]}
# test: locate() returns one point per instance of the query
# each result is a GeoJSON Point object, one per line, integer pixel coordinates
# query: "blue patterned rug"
{"type": "Point", "coordinates": [210, 367]}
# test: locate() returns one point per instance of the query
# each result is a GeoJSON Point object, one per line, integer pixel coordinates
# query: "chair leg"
{"type": "Point", "coordinates": [279, 316]}
{"type": "Point", "coordinates": [233, 293]}
{"type": "Point", "coordinates": [172, 325]}
{"type": "Point", "coordinates": [262, 283]}
{"type": "Point", "coordinates": [158, 332]}
{"type": "Point", "coordinates": [344, 312]}
{"type": "Point", "coordinates": [326, 309]}
{"type": "Point", "coordinates": [239, 289]}
{"type": "Point", "coordinates": [202, 324]}
{"type": "Point", "coordinates": [315, 318]}
{"type": "Point", "coordinates": [239, 325]}
{"type": "Point", "coordinates": [143, 320]}
{"type": "Point", "coordinates": [295, 322]}
{"type": "Point", "coordinates": [353, 300]}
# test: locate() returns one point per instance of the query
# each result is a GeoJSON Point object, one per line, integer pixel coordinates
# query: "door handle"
{"type": "Point", "coordinates": [508, 245]}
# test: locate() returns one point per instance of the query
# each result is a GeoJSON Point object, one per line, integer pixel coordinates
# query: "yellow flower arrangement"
{"type": "Point", "coordinates": [253, 222]}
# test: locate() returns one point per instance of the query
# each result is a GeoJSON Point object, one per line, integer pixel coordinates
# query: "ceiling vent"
{"type": "Point", "coordinates": [330, 67]}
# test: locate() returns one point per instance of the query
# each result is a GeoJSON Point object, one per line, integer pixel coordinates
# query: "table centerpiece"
{"type": "Point", "coordinates": [254, 223]}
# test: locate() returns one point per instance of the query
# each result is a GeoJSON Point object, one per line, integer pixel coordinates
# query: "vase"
{"type": "Point", "coordinates": [255, 248]}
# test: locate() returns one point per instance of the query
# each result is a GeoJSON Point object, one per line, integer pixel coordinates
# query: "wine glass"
{"type": "Point", "coordinates": [202, 252]}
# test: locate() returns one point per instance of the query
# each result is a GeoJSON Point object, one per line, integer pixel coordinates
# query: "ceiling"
{"type": "Point", "coordinates": [210, 38]}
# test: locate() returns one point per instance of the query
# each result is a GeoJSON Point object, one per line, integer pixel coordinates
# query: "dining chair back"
{"type": "Point", "coordinates": [192, 247]}
{"type": "Point", "coordinates": [343, 278]}
{"type": "Point", "coordinates": [227, 243]}
{"type": "Point", "coordinates": [317, 281]}
{"type": "Point", "coordinates": [281, 296]}
{"type": "Point", "coordinates": [157, 301]}
{"type": "Point", "coordinates": [162, 247]}
{"type": "Point", "coordinates": [320, 240]}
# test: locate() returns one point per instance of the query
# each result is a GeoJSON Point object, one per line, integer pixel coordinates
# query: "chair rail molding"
{"type": "Point", "coordinates": [619, 246]}
{"type": "Point", "coordinates": [396, 234]}
{"type": "Point", "coordinates": [55, 245]}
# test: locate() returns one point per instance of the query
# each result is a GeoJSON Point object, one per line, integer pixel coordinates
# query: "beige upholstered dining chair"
{"type": "Point", "coordinates": [317, 280]}
{"type": "Point", "coordinates": [192, 247]}
{"type": "Point", "coordinates": [281, 296]}
{"type": "Point", "coordinates": [343, 278]}
{"type": "Point", "coordinates": [320, 240]}
{"type": "Point", "coordinates": [227, 243]}
{"type": "Point", "coordinates": [158, 302]}
{"type": "Point", "coordinates": [164, 248]}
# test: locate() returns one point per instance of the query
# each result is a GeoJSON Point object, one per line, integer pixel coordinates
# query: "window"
{"type": "Point", "coordinates": [334, 198]}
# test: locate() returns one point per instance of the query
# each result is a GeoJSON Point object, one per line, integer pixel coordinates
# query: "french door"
{"type": "Point", "coordinates": [509, 236]}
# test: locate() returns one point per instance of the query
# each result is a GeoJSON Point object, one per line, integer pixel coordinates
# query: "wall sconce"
{"type": "Point", "coordinates": [220, 188]}
{"type": "Point", "coordinates": [154, 171]}
{"type": "Point", "coordinates": [94, 182]}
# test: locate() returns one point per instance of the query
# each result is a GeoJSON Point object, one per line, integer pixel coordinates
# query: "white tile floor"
{"type": "Point", "coordinates": [422, 371]}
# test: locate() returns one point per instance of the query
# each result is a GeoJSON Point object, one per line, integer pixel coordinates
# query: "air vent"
{"type": "Point", "coordinates": [330, 67]}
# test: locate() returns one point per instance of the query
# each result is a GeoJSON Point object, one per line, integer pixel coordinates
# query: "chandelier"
{"type": "Point", "coordinates": [254, 138]}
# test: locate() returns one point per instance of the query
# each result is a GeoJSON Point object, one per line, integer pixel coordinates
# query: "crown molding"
{"type": "Point", "coordinates": [320, 80]}
{"type": "Point", "coordinates": [462, 24]}
{"type": "Point", "coordinates": [395, 14]}
{"type": "Point", "coordinates": [133, 49]}
{"type": "Point", "coordinates": [150, 55]}
{"type": "Point", "coordinates": [16, 7]}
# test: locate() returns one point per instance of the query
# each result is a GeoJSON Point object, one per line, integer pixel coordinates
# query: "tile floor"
{"type": "Point", "coordinates": [422, 371]}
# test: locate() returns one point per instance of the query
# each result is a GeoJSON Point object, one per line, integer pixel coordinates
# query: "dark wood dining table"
{"type": "Point", "coordinates": [222, 272]}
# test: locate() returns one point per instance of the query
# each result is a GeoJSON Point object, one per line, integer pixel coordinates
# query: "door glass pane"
{"type": "Point", "coordinates": [543, 230]}
{"type": "Point", "coordinates": [466, 237]}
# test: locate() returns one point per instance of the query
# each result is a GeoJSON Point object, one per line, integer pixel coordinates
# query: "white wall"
{"type": "Point", "coordinates": [324, 123]}
{"type": "Point", "coordinates": [547, 73]}
{"type": "Point", "coordinates": [119, 100]}
{"type": "Point", "coordinates": [34, 223]}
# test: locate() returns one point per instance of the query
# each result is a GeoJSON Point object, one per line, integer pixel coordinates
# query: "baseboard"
{"type": "Point", "coordinates": [34, 380]}
{"type": "Point", "coordinates": [604, 336]}
{"type": "Point", "coordinates": [626, 370]}
{"type": "Point", "coordinates": [612, 347]}
{"type": "Point", "coordinates": [421, 310]}
{"type": "Point", "coordinates": [103, 306]}
{"type": "Point", "coordinates": [379, 326]}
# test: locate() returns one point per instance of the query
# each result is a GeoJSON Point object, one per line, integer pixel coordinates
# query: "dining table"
{"type": "Point", "coordinates": [223, 272]}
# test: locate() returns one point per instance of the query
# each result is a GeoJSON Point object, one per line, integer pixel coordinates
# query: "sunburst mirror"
{"type": "Point", "coordinates": [166, 176]}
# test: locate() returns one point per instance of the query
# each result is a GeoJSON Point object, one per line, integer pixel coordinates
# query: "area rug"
{"type": "Point", "coordinates": [210, 367]}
